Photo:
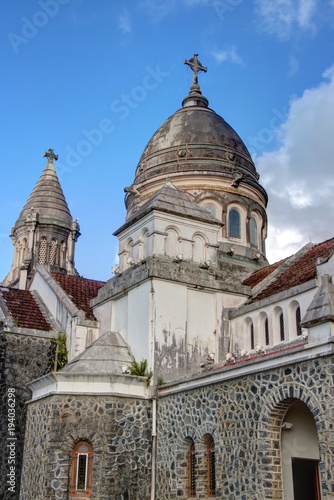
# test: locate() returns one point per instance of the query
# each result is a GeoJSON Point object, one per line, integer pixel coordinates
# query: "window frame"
{"type": "Point", "coordinates": [77, 452]}
{"type": "Point", "coordinates": [211, 463]}
{"type": "Point", "coordinates": [192, 470]}
{"type": "Point", "coordinates": [233, 225]}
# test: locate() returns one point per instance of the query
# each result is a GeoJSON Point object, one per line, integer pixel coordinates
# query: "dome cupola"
{"type": "Point", "coordinates": [203, 155]}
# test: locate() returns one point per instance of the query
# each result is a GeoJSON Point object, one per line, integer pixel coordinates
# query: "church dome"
{"type": "Point", "coordinates": [202, 155]}
{"type": "Point", "coordinates": [198, 151]}
{"type": "Point", "coordinates": [195, 138]}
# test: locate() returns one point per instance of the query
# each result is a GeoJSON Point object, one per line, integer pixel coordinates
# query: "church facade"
{"type": "Point", "coordinates": [198, 370]}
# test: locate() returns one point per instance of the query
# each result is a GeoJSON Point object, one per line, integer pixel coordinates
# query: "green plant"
{"type": "Point", "coordinates": [140, 370]}
{"type": "Point", "coordinates": [160, 380]}
{"type": "Point", "coordinates": [61, 355]}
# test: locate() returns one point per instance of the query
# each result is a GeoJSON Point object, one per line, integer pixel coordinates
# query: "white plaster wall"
{"type": "Point", "coordinates": [50, 299]}
{"type": "Point", "coordinates": [104, 316]}
{"type": "Point", "coordinates": [119, 319]}
{"type": "Point", "coordinates": [202, 321]}
{"type": "Point", "coordinates": [326, 268]}
{"type": "Point", "coordinates": [188, 324]}
{"type": "Point", "coordinates": [240, 332]}
{"type": "Point", "coordinates": [139, 325]}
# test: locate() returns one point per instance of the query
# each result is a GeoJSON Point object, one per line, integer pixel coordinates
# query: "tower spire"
{"type": "Point", "coordinates": [45, 232]}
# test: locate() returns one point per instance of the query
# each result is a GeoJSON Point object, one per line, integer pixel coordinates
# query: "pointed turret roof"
{"type": "Point", "coordinates": [47, 198]}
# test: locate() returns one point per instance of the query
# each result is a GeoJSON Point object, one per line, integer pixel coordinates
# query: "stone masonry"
{"type": "Point", "coordinates": [119, 429]}
{"type": "Point", "coordinates": [22, 359]}
{"type": "Point", "coordinates": [244, 418]}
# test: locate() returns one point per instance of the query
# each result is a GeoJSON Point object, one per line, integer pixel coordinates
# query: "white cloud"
{"type": "Point", "coordinates": [124, 23]}
{"type": "Point", "coordinates": [229, 55]}
{"type": "Point", "coordinates": [299, 174]}
{"type": "Point", "coordinates": [282, 17]}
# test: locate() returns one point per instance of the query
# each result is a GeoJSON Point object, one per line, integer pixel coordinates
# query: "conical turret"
{"type": "Point", "coordinates": [44, 233]}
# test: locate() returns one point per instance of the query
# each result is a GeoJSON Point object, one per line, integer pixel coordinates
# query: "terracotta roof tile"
{"type": "Point", "coordinates": [300, 271]}
{"type": "Point", "coordinates": [24, 309]}
{"type": "Point", "coordinates": [258, 276]}
{"type": "Point", "coordinates": [80, 290]}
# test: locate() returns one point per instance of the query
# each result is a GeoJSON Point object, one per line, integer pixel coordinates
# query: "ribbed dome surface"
{"type": "Point", "coordinates": [47, 200]}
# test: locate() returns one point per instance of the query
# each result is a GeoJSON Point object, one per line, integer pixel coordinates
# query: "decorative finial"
{"type": "Point", "coordinates": [50, 155]}
{"type": "Point", "coordinates": [197, 67]}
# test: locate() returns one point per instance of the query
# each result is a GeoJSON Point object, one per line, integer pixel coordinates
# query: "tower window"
{"type": "Point", "coordinates": [251, 331]}
{"type": "Point", "coordinates": [298, 319]}
{"type": "Point", "coordinates": [192, 470]}
{"type": "Point", "coordinates": [253, 231]}
{"type": "Point", "coordinates": [53, 252]}
{"type": "Point", "coordinates": [281, 326]}
{"type": "Point", "coordinates": [81, 471]}
{"type": "Point", "coordinates": [211, 208]}
{"type": "Point", "coordinates": [211, 469]}
{"type": "Point", "coordinates": [234, 230]}
{"type": "Point", "coordinates": [42, 251]}
{"type": "Point", "coordinates": [266, 332]}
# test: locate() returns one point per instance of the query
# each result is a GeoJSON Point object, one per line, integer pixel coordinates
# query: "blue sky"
{"type": "Point", "coordinates": [94, 80]}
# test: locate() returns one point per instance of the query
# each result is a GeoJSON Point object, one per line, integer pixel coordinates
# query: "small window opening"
{"type": "Point", "coordinates": [234, 224]}
{"type": "Point", "coordinates": [192, 470]}
{"type": "Point", "coordinates": [281, 326]}
{"type": "Point", "coordinates": [298, 320]}
{"type": "Point", "coordinates": [211, 469]}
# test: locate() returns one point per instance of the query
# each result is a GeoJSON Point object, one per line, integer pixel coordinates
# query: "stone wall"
{"type": "Point", "coordinates": [119, 429]}
{"type": "Point", "coordinates": [22, 358]}
{"type": "Point", "coordinates": [244, 417]}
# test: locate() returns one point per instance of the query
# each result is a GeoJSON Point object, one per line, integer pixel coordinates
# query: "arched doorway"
{"type": "Point", "coordinates": [300, 454]}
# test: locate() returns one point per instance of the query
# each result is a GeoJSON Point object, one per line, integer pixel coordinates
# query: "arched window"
{"type": "Point", "coordinates": [281, 326]}
{"type": "Point", "coordinates": [211, 469]}
{"type": "Point", "coordinates": [42, 251]}
{"type": "Point", "coordinates": [253, 232]}
{"type": "Point", "coordinates": [251, 334]}
{"type": "Point", "coordinates": [198, 248]}
{"type": "Point", "coordinates": [298, 319]}
{"type": "Point", "coordinates": [53, 252]}
{"type": "Point", "coordinates": [211, 208]}
{"type": "Point", "coordinates": [171, 243]}
{"type": "Point", "coordinates": [192, 470]}
{"type": "Point", "coordinates": [234, 230]}
{"type": "Point", "coordinates": [81, 470]}
{"type": "Point", "coordinates": [266, 331]}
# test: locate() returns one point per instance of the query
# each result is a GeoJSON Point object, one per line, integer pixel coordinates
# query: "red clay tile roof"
{"type": "Point", "coordinates": [24, 309]}
{"type": "Point", "coordinates": [80, 290]}
{"type": "Point", "coordinates": [258, 276]}
{"type": "Point", "coordinates": [300, 271]}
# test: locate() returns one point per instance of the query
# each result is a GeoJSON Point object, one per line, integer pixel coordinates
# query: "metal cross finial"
{"type": "Point", "coordinates": [50, 155]}
{"type": "Point", "coordinates": [196, 66]}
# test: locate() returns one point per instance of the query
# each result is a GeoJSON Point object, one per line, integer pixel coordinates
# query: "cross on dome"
{"type": "Point", "coordinates": [197, 67]}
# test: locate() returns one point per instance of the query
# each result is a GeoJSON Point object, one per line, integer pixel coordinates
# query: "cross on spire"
{"type": "Point", "coordinates": [197, 67]}
{"type": "Point", "coordinates": [50, 155]}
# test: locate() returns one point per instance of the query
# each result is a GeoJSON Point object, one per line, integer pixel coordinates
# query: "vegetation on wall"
{"type": "Point", "coordinates": [140, 370]}
{"type": "Point", "coordinates": [61, 355]}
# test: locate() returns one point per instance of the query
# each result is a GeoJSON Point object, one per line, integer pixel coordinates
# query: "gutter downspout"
{"type": "Point", "coordinates": [154, 446]}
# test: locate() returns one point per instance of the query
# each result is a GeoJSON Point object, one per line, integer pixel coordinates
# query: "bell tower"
{"type": "Point", "coordinates": [45, 232]}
